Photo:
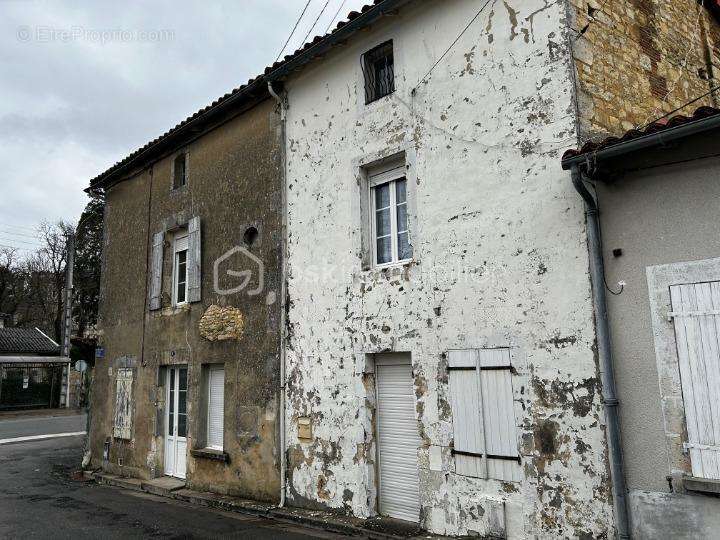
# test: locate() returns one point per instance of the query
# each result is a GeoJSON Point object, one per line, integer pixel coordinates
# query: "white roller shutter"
{"type": "Point", "coordinates": [398, 442]}
{"type": "Point", "coordinates": [696, 316]}
{"type": "Point", "coordinates": [216, 408]}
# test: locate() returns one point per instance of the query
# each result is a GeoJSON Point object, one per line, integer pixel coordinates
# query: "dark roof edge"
{"type": "Point", "coordinates": [311, 50]}
{"type": "Point", "coordinates": [321, 44]}
{"type": "Point", "coordinates": [170, 139]}
{"type": "Point", "coordinates": [644, 142]}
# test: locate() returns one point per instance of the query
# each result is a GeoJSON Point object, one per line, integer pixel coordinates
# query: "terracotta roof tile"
{"type": "Point", "coordinates": [655, 127]}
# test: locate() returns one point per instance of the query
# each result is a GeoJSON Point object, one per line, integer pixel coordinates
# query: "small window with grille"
{"type": "Point", "coordinates": [379, 72]}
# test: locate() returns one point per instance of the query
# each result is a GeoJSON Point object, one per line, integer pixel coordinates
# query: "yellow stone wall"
{"type": "Point", "coordinates": [639, 59]}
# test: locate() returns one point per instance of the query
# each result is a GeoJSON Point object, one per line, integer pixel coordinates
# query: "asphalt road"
{"type": "Point", "coordinates": [40, 425]}
{"type": "Point", "coordinates": [38, 499]}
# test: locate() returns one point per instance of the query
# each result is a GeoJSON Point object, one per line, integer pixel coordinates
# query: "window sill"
{"type": "Point", "coordinates": [702, 485]}
{"type": "Point", "coordinates": [211, 454]}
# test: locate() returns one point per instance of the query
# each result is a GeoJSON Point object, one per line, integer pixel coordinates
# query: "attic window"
{"type": "Point", "coordinates": [180, 171]}
{"type": "Point", "coordinates": [379, 72]}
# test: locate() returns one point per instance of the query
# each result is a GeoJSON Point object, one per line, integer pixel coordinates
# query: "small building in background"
{"type": "Point", "coordinates": [657, 192]}
{"type": "Point", "coordinates": [32, 372]}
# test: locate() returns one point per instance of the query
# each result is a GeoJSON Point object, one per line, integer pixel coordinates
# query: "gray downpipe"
{"type": "Point", "coordinates": [607, 375]}
{"type": "Point", "coordinates": [283, 294]}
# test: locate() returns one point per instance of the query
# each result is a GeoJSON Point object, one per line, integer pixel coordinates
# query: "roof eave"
{"type": "Point", "coordinates": [338, 36]}
{"type": "Point", "coordinates": [173, 139]}
{"type": "Point", "coordinates": [644, 142]}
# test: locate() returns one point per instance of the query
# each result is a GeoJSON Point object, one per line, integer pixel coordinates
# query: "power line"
{"type": "Point", "coordinates": [695, 100]}
{"type": "Point", "coordinates": [443, 55]}
{"type": "Point", "coordinates": [13, 233]}
{"type": "Point", "coordinates": [34, 229]}
{"type": "Point", "coordinates": [293, 30]}
{"type": "Point", "coordinates": [15, 240]}
{"type": "Point", "coordinates": [336, 16]}
{"type": "Point", "coordinates": [5, 246]}
{"type": "Point", "coordinates": [316, 21]}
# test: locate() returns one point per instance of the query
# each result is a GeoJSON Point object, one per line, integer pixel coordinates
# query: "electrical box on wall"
{"type": "Point", "coordinates": [304, 428]}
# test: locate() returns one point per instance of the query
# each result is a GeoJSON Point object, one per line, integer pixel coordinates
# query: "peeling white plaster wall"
{"type": "Point", "coordinates": [496, 218]}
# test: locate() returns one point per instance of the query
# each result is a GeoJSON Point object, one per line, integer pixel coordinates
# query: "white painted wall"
{"type": "Point", "coordinates": [501, 260]}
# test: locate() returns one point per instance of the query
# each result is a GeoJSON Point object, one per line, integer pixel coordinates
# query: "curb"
{"type": "Point", "coordinates": [210, 500]}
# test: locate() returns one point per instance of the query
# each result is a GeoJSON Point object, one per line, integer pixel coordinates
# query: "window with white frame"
{"type": "Point", "coordinates": [180, 270]}
{"type": "Point", "coordinates": [215, 407]}
{"type": "Point", "coordinates": [483, 407]}
{"type": "Point", "coordinates": [389, 217]}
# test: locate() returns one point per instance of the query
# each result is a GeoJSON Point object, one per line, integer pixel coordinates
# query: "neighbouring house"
{"type": "Point", "coordinates": [656, 193]}
{"type": "Point", "coordinates": [186, 384]}
{"type": "Point", "coordinates": [425, 342]}
{"type": "Point", "coordinates": [32, 372]}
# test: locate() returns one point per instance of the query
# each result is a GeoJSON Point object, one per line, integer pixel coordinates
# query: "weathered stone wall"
{"type": "Point", "coordinates": [234, 184]}
{"type": "Point", "coordinates": [500, 260]}
{"type": "Point", "coordinates": [639, 59]}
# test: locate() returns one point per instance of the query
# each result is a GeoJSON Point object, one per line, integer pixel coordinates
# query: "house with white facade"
{"type": "Point", "coordinates": [439, 355]}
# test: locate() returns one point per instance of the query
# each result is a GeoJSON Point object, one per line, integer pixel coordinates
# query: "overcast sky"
{"type": "Point", "coordinates": [83, 84]}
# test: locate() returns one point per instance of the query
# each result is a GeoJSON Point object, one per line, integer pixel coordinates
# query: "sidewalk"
{"type": "Point", "coordinates": [380, 528]}
{"type": "Point", "coordinates": [30, 413]}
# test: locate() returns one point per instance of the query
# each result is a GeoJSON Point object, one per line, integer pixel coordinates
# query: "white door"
{"type": "Point", "coordinates": [398, 438]}
{"type": "Point", "coordinates": [176, 422]}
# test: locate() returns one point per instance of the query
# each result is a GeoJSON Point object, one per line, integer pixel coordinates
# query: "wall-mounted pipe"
{"type": "Point", "coordinates": [607, 374]}
{"type": "Point", "coordinates": [283, 294]}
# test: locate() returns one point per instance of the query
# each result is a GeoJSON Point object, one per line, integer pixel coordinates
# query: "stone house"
{"type": "Point", "coordinates": [657, 194]}
{"type": "Point", "coordinates": [189, 319]}
{"type": "Point", "coordinates": [426, 306]}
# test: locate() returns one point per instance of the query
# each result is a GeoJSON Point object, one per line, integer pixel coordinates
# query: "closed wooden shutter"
{"type": "Point", "coordinates": [483, 407]}
{"type": "Point", "coordinates": [696, 317]}
{"type": "Point", "coordinates": [216, 408]}
{"type": "Point", "coordinates": [466, 404]}
{"type": "Point", "coordinates": [123, 404]}
{"type": "Point", "coordinates": [193, 260]}
{"type": "Point", "coordinates": [156, 260]}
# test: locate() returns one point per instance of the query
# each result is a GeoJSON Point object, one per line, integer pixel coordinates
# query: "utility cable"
{"type": "Point", "coordinates": [293, 30]}
{"type": "Point", "coordinates": [695, 100]}
{"type": "Point", "coordinates": [336, 16]}
{"type": "Point", "coordinates": [443, 55]}
{"type": "Point", "coordinates": [316, 21]}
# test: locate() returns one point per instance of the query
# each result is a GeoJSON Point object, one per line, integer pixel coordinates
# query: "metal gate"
{"type": "Point", "coordinates": [31, 385]}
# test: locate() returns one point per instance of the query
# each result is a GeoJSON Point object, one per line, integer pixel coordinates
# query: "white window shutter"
{"type": "Point", "coordinates": [123, 404]}
{"type": "Point", "coordinates": [499, 414]}
{"type": "Point", "coordinates": [193, 260]}
{"type": "Point", "coordinates": [697, 329]}
{"type": "Point", "coordinates": [216, 408]}
{"type": "Point", "coordinates": [466, 404]}
{"type": "Point", "coordinates": [156, 260]}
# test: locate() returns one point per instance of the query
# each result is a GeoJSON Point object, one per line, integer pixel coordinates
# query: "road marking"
{"type": "Point", "coordinates": [39, 437]}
